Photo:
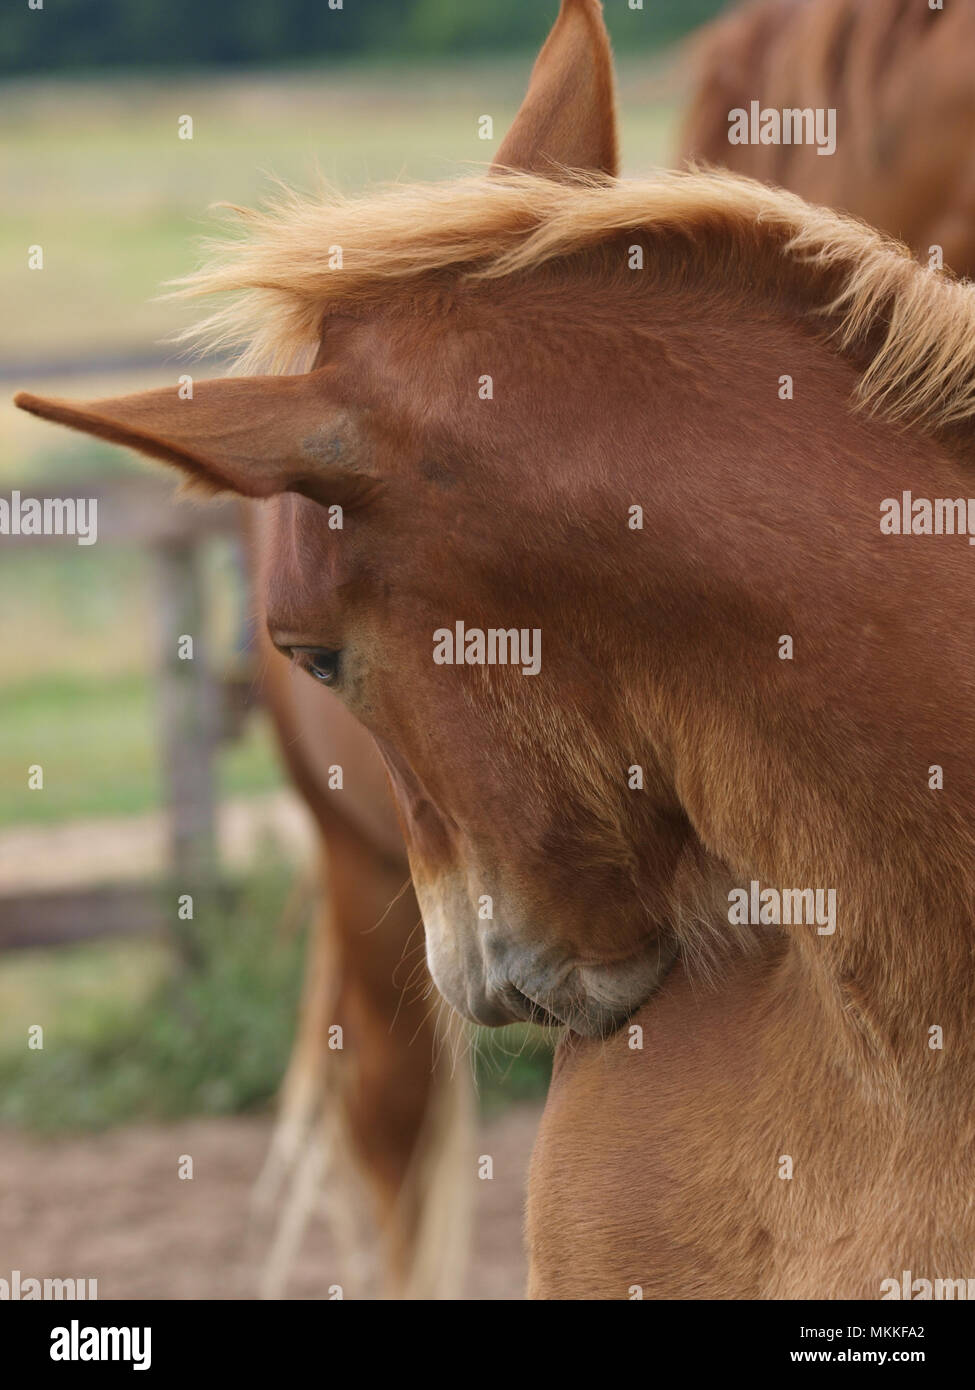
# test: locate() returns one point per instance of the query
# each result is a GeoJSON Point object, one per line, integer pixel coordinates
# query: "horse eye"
{"type": "Point", "coordinates": [320, 662]}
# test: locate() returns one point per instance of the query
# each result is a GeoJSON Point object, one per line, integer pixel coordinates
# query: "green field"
{"type": "Point", "coordinates": [96, 174]}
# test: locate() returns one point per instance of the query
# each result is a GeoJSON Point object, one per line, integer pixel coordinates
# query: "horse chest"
{"type": "Point", "coordinates": [641, 1177]}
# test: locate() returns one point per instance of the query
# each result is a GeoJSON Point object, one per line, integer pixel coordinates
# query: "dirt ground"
{"type": "Point", "coordinates": [111, 1207]}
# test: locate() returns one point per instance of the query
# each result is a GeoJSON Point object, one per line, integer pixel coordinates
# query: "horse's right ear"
{"type": "Point", "coordinates": [256, 436]}
{"type": "Point", "coordinates": [568, 118]}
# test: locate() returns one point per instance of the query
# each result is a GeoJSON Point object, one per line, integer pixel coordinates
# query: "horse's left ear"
{"type": "Point", "coordinates": [256, 436]}
{"type": "Point", "coordinates": [568, 118]}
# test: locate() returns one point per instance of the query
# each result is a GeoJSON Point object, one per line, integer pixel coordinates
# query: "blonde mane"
{"type": "Point", "coordinates": [911, 330]}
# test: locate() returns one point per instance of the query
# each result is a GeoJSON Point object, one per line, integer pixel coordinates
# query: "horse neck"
{"type": "Point", "coordinates": [814, 772]}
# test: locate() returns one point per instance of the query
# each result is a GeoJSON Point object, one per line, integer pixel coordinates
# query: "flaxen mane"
{"type": "Point", "coordinates": [910, 330]}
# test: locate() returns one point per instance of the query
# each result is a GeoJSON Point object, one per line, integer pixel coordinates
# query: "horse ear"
{"type": "Point", "coordinates": [568, 118]}
{"type": "Point", "coordinates": [256, 436]}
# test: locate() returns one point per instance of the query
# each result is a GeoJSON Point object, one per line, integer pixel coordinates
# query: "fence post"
{"type": "Point", "coordinates": [189, 716]}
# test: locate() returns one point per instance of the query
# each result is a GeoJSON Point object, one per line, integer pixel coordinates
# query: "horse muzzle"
{"type": "Point", "coordinates": [494, 980]}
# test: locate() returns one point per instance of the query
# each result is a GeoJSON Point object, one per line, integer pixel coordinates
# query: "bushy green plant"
{"type": "Point", "coordinates": [212, 1038]}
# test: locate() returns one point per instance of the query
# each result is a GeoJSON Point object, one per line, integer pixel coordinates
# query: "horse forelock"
{"type": "Point", "coordinates": [910, 330]}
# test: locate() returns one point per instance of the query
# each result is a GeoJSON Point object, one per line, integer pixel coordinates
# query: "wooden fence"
{"type": "Point", "coordinates": [194, 711]}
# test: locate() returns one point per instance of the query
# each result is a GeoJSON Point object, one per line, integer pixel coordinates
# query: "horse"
{"type": "Point", "coordinates": [319, 1097]}
{"type": "Point", "coordinates": [898, 78]}
{"type": "Point", "coordinates": [821, 53]}
{"type": "Point", "coordinates": [581, 496]}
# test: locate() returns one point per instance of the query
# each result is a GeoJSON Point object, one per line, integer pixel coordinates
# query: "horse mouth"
{"type": "Point", "coordinates": [533, 1011]}
{"type": "Point", "coordinates": [494, 978]}
{"type": "Point", "coordinates": [593, 1012]}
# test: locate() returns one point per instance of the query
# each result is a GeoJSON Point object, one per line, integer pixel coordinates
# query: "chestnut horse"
{"type": "Point", "coordinates": [873, 62]}
{"type": "Point", "coordinates": [646, 432]}
{"type": "Point", "coordinates": [897, 74]}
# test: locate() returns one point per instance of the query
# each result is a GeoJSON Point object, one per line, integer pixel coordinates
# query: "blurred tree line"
{"type": "Point", "coordinates": [72, 35]}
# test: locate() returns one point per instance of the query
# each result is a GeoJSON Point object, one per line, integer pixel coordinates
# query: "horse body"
{"type": "Point", "coordinates": [750, 1156]}
{"type": "Point", "coordinates": [899, 79]}
{"type": "Point", "coordinates": [754, 687]}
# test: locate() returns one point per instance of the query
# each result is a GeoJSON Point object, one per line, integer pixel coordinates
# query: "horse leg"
{"type": "Point", "coordinates": [404, 1100]}
{"type": "Point", "coordinates": [373, 1106]}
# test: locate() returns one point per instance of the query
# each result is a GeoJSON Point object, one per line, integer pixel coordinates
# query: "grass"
{"type": "Point", "coordinates": [77, 693]}
{"type": "Point", "coordinates": [72, 983]}
{"type": "Point", "coordinates": [139, 195]}
{"type": "Point", "coordinates": [95, 739]}
{"type": "Point", "coordinates": [512, 1064]}
{"type": "Point", "coordinates": [131, 1035]}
